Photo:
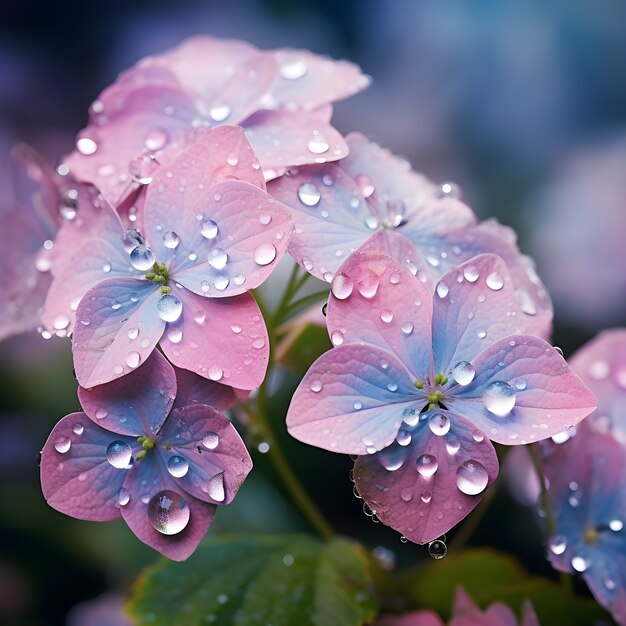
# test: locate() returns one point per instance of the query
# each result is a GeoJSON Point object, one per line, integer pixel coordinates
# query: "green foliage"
{"type": "Point", "coordinates": [249, 581]}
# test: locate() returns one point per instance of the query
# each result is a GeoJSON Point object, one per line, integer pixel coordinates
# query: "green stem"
{"type": "Point", "coordinates": [290, 291]}
{"type": "Point", "coordinates": [300, 496]}
{"type": "Point", "coordinates": [312, 297]}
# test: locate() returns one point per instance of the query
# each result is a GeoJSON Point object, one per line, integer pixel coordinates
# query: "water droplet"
{"type": "Point", "coordinates": [133, 359]}
{"type": "Point", "coordinates": [171, 240]}
{"type": "Point", "coordinates": [392, 459]}
{"type": "Point", "coordinates": [133, 333]}
{"type": "Point", "coordinates": [336, 338]}
{"type": "Point", "coordinates": [221, 283]}
{"type": "Point", "coordinates": [123, 497]}
{"type": "Point", "coordinates": [264, 219]}
{"type": "Point", "coordinates": [368, 286]}
{"type": "Point", "coordinates": [406, 494]}
{"type": "Point", "coordinates": [471, 274]}
{"type": "Point", "coordinates": [316, 386]}
{"type": "Point", "coordinates": [499, 398]}
{"type": "Point", "coordinates": [209, 229]}
{"type": "Point", "coordinates": [427, 465]}
{"type": "Point", "coordinates": [119, 454]}
{"type": "Point", "coordinates": [426, 497]}
{"type": "Point", "coordinates": [442, 289]}
{"type": "Point", "coordinates": [141, 258]}
{"type": "Point", "coordinates": [215, 487]}
{"type": "Point", "coordinates": [62, 444]}
{"type": "Point", "coordinates": [557, 544]}
{"type": "Point", "coordinates": [218, 258]}
{"type": "Point", "coordinates": [293, 68]}
{"type": "Point", "coordinates": [478, 436]}
{"type": "Point", "coordinates": [61, 322]}
{"type": "Point", "coordinates": [156, 139]}
{"type": "Point", "coordinates": [407, 328]}
{"type": "Point", "coordinates": [210, 441]}
{"type": "Point", "coordinates": [494, 281]}
{"type": "Point", "coordinates": [452, 444]}
{"type": "Point", "coordinates": [236, 328]}
{"type": "Point", "coordinates": [86, 146]}
{"type": "Point", "coordinates": [175, 335]}
{"type": "Point", "coordinates": [177, 466]}
{"type": "Point", "coordinates": [106, 268]}
{"type": "Point", "coordinates": [372, 222]}
{"type": "Point", "coordinates": [168, 512]}
{"type": "Point", "coordinates": [616, 525]}
{"type": "Point", "coordinates": [463, 373]}
{"type": "Point", "coordinates": [403, 437]}
{"type": "Point", "coordinates": [392, 386]}
{"type": "Point", "coordinates": [101, 413]}
{"type": "Point", "coordinates": [215, 372]}
{"type": "Point", "coordinates": [318, 144]}
{"type": "Point", "coordinates": [580, 564]}
{"type": "Point", "coordinates": [439, 424]}
{"type": "Point", "coordinates": [309, 194]}
{"type": "Point", "coordinates": [386, 315]}
{"type": "Point", "coordinates": [78, 429]}
{"type": "Point", "coordinates": [169, 307]}
{"type": "Point", "coordinates": [471, 477]}
{"type": "Point", "coordinates": [437, 549]}
{"type": "Point", "coordinates": [341, 286]}
{"type": "Point", "coordinates": [219, 112]}
{"type": "Point", "coordinates": [264, 254]}
{"type": "Point", "coordinates": [366, 185]}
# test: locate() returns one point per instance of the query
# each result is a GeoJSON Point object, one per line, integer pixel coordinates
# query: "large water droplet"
{"type": "Point", "coordinates": [119, 454]}
{"type": "Point", "coordinates": [442, 289]}
{"type": "Point", "coordinates": [293, 68]}
{"type": "Point", "coordinates": [471, 274]}
{"type": "Point", "coordinates": [168, 512]}
{"type": "Point", "coordinates": [494, 281]}
{"type": "Point", "coordinates": [62, 444]}
{"type": "Point", "coordinates": [439, 424]}
{"type": "Point", "coordinates": [86, 146]}
{"type": "Point", "coordinates": [123, 497]}
{"type": "Point", "coordinates": [169, 307]}
{"type": "Point", "coordinates": [341, 286]}
{"type": "Point", "coordinates": [133, 359]}
{"type": "Point", "coordinates": [368, 285]}
{"type": "Point", "coordinates": [215, 372]}
{"type": "Point", "coordinates": [318, 144]}
{"type": "Point", "coordinates": [463, 373]}
{"type": "Point", "coordinates": [499, 398]}
{"type": "Point", "coordinates": [218, 258]}
{"type": "Point", "coordinates": [210, 441]}
{"type": "Point", "coordinates": [580, 564]}
{"type": "Point", "coordinates": [61, 322]}
{"type": "Point", "coordinates": [265, 254]}
{"type": "Point", "coordinates": [309, 194]}
{"type": "Point", "coordinates": [219, 112]}
{"type": "Point", "coordinates": [215, 487]}
{"type": "Point", "coordinates": [156, 139]}
{"type": "Point", "coordinates": [177, 466]}
{"type": "Point", "coordinates": [427, 465]}
{"type": "Point", "coordinates": [141, 258]}
{"type": "Point", "coordinates": [557, 544]}
{"type": "Point", "coordinates": [171, 240]}
{"type": "Point", "coordinates": [616, 525]}
{"type": "Point", "coordinates": [392, 458]}
{"type": "Point", "coordinates": [471, 477]}
{"type": "Point", "coordinates": [209, 229]}
{"type": "Point", "coordinates": [437, 549]}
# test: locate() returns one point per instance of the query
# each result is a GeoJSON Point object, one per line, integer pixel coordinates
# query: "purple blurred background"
{"type": "Point", "coordinates": [523, 103]}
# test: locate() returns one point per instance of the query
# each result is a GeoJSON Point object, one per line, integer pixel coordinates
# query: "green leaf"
{"type": "Point", "coordinates": [489, 576]}
{"type": "Point", "coordinates": [245, 581]}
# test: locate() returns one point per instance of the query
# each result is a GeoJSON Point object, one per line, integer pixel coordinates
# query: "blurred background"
{"type": "Point", "coordinates": [522, 103]}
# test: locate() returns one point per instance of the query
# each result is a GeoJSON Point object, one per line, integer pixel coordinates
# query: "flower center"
{"type": "Point", "coordinates": [147, 444]}
{"type": "Point", "coordinates": [435, 395]}
{"type": "Point", "coordinates": [160, 275]}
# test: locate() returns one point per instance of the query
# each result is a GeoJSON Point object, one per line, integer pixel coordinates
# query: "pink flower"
{"type": "Point", "coordinates": [281, 97]}
{"type": "Point", "coordinates": [151, 448]}
{"type": "Point", "coordinates": [208, 233]}
{"type": "Point", "coordinates": [373, 200]}
{"type": "Point", "coordinates": [417, 385]}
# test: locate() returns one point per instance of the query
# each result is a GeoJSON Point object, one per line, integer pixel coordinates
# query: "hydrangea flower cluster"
{"type": "Point", "coordinates": [198, 171]}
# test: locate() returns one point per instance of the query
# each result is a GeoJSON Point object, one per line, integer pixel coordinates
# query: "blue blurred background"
{"type": "Point", "coordinates": [523, 103]}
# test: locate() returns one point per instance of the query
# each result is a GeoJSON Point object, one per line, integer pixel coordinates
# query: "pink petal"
{"type": "Point", "coordinates": [104, 344]}
{"type": "Point", "coordinates": [375, 300]}
{"type": "Point", "coordinates": [425, 505]}
{"type": "Point", "coordinates": [148, 479]}
{"type": "Point", "coordinates": [306, 80]}
{"type": "Point", "coordinates": [474, 306]}
{"type": "Point", "coordinates": [224, 340]}
{"type": "Point", "coordinates": [194, 389]}
{"type": "Point", "coordinates": [532, 392]}
{"type": "Point", "coordinates": [217, 457]}
{"type": "Point", "coordinates": [330, 215]}
{"type": "Point", "coordinates": [353, 400]}
{"type": "Point", "coordinates": [284, 139]}
{"type": "Point", "coordinates": [529, 617]}
{"type": "Point", "coordinates": [136, 404]}
{"type": "Point", "coordinates": [76, 477]}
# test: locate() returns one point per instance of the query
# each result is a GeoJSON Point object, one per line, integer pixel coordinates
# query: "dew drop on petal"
{"type": "Point", "coordinates": [209, 229]}
{"type": "Point", "coordinates": [169, 307]}
{"type": "Point", "coordinates": [439, 424]}
{"type": "Point", "coordinates": [210, 441]}
{"type": "Point", "coordinates": [426, 497]}
{"type": "Point", "coordinates": [215, 372]}
{"type": "Point", "coordinates": [580, 564]}
{"type": "Point", "coordinates": [86, 146]}
{"type": "Point", "coordinates": [215, 487]}
{"type": "Point", "coordinates": [175, 335]}
{"type": "Point", "coordinates": [336, 338]}
{"type": "Point", "coordinates": [616, 525]}
{"type": "Point", "coordinates": [406, 494]}
{"type": "Point", "coordinates": [119, 454]}
{"type": "Point", "coordinates": [293, 68]}
{"type": "Point", "coordinates": [368, 286]}
{"type": "Point", "coordinates": [392, 459]}
{"type": "Point", "coordinates": [62, 444]}
{"type": "Point", "coordinates": [426, 464]}
{"type": "Point", "coordinates": [264, 254]}
{"type": "Point", "coordinates": [494, 281]}
{"type": "Point", "coordinates": [309, 194]}
{"type": "Point", "coordinates": [123, 497]}
{"type": "Point", "coordinates": [452, 444]}
{"type": "Point", "coordinates": [156, 139]}
{"type": "Point", "coordinates": [219, 112]}
{"type": "Point", "coordinates": [478, 436]}
{"type": "Point", "coordinates": [437, 549]}
{"type": "Point", "coordinates": [499, 398]}
{"type": "Point", "coordinates": [318, 144]}
{"type": "Point", "coordinates": [221, 283]}
{"type": "Point", "coordinates": [372, 222]}
{"type": "Point", "coordinates": [218, 258]}
{"type": "Point", "coordinates": [366, 185]}
{"type": "Point", "coordinates": [133, 333]}
{"type": "Point", "coordinates": [316, 386]}
{"type": "Point", "coordinates": [141, 258]}
{"type": "Point", "coordinates": [133, 359]}
{"type": "Point", "coordinates": [61, 322]}
{"type": "Point", "coordinates": [527, 305]}
{"type": "Point", "coordinates": [101, 413]}
{"type": "Point", "coordinates": [471, 274]}
{"type": "Point", "coordinates": [557, 544]}
{"type": "Point", "coordinates": [341, 286]}
{"type": "Point", "coordinates": [471, 477]}
{"type": "Point", "coordinates": [78, 429]}
{"type": "Point", "coordinates": [171, 240]}
{"type": "Point", "coordinates": [442, 289]}
{"type": "Point", "coordinates": [106, 268]}
{"type": "Point", "coordinates": [463, 373]}
{"type": "Point", "coordinates": [177, 466]}
{"type": "Point", "coordinates": [168, 512]}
